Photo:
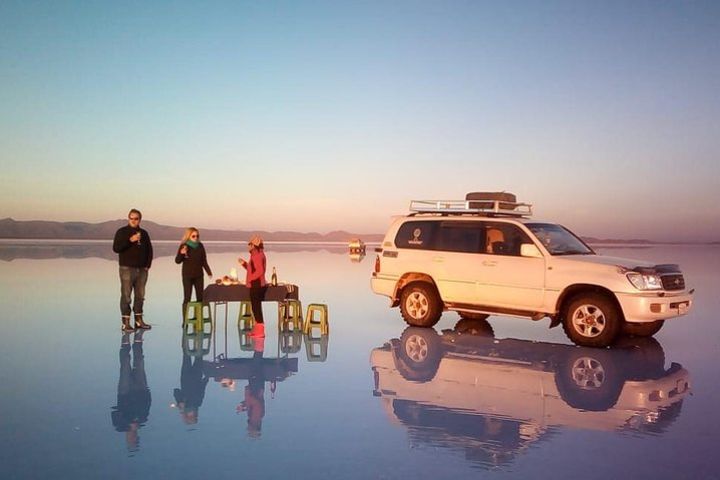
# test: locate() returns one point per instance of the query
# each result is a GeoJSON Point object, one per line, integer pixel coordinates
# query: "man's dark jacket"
{"type": "Point", "coordinates": [131, 254]}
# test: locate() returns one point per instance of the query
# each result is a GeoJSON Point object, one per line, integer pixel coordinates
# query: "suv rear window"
{"type": "Point", "coordinates": [417, 235]}
{"type": "Point", "coordinates": [443, 236]}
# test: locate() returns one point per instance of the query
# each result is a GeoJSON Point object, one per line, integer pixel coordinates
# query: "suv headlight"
{"type": "Point", "coordinates": [645, 282]}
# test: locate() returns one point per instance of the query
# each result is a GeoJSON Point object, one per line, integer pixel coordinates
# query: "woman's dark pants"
{"type": "Point", "coordinates": [188, 284]}
{"type": "Point", "coordinates": [257, 295]}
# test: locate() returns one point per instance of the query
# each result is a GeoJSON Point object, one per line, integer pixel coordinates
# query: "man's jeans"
{"type": "Point", "coordinates": [132, 279]}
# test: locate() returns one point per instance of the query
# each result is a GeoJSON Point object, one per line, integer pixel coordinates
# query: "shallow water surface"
{"type": "Point", "coordinates": [371, 400]}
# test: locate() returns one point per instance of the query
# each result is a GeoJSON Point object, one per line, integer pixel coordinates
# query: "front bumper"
{"type": "Point", "coordinates": [653, 306]}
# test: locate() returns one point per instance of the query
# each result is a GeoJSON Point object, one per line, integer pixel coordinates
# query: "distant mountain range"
{"type": "Point", "coordinates": [46, 230]}
{"type": "Point", "coordinates": [41, 229]}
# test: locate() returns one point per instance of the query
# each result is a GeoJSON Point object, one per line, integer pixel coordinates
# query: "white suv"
{"type": "Point", "coordinates": [484, 256]}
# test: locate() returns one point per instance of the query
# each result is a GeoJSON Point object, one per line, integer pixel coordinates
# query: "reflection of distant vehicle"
{"type": "Point", "coordinates": [357, 257]}
{"type": "Point", "coordinates": [493, 398]}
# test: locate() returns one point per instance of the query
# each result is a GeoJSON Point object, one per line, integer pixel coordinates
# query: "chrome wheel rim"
{"type": "Point", "coordinates": [588, 373]}
{"type": "Point", "coordinates": [588, 320]}
{"type": "Point", "coordinates": [417, 305]}
{"type": "Point", "coordinates": [416, 348]}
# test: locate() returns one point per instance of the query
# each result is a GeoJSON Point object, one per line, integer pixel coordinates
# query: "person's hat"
{"type": "Point", "coordinates": [255, 241]}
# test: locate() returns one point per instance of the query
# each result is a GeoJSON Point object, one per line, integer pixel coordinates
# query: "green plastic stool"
{"type": "Point", "coordinates": [198, 320]}
{"type": "Point", "coordinates": [290, 312]}
{"type": "Point", "coordinates": [310, 321]}
{"type": "Point", "coordinates": [246, 320]}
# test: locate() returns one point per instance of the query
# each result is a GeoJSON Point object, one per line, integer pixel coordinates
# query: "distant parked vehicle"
{"type": "Point", "coordinates": [484, 255]}
{"type": "Point", "coordinates": [357, 246]}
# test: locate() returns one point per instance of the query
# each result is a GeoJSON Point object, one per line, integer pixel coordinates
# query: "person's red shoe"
{"type": "Point", "coordinates": [258, 331]}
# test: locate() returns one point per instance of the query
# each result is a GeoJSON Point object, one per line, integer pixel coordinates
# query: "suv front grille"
{"type": "Point", "coordinates": [673, 282]}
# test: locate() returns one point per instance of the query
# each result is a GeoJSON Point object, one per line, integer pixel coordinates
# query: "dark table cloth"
{"type": "Point", "coordinates": [237, 293]}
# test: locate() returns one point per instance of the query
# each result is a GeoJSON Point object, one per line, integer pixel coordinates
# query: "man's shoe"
{"type": "Point", "coordinates": [126, 327]}
{"type": "Point", "coordinates": [139, 324]}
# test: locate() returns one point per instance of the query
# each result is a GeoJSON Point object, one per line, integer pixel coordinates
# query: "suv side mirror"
{"type": "Point", "coordinates": [530, 250]}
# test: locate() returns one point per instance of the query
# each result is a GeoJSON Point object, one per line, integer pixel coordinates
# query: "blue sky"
{"type": "Point", "coordinates": [318, 116]}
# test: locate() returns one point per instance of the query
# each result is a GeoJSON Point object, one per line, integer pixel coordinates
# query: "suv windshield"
{"type": "Point", "coordinates": [559, 240]}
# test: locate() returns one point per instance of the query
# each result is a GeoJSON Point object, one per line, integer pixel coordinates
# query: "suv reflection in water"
{"type": "Point", "coordinates": [465, 390]}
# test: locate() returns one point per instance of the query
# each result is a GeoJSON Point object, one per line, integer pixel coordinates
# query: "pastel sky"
{"type": "Point", "coordinates": [326, 115]}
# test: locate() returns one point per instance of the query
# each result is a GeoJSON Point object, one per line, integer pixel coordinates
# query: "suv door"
{"type": "Point", "coordinates": [457, 245]}
{"type": "Point", "coordinates": [505, 278]}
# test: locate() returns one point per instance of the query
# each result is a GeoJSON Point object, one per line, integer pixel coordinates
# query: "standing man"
{"type": "Point", "coordinates": [133, 245]}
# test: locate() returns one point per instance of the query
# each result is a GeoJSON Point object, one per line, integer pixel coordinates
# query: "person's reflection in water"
{"type": "Point", "coordinates": [191, 393]}
{"type": "Point", "coordinates": [254, 403]}
{"type": "Point", "coordinates": [133, 397]}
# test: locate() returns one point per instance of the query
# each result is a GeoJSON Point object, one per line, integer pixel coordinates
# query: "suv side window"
{"type": "Point", "coordinates": [418, 235]}
{"type": "Point", "coordinates": [460, 237]}
{"type": "Point", "coordinates": [504, 239]}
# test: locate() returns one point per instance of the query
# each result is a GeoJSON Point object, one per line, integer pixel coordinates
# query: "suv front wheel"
{"type": "Point", "coordinates": [643, 329]}
{"type": "Point", "coordinates": [592, 320]}
{"type": "Point", "coordinates": [420, 304]}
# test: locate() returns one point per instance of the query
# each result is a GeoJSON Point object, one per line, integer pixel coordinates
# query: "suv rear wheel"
{"type": "Point", "coordinates": [592, 320]}
{"type": "Point", "coordinates": [420, 304]}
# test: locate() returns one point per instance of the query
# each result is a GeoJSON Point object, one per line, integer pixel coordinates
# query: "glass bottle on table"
{"type": "Point", "coordinates": [273, 278]}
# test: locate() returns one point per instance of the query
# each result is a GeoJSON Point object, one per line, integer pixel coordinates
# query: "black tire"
{"type": "Point", "coordinates": [589, 379]}
{"type": "Point", "coordinates": [478, 327]}
{"type": "Point", "coordinates": [420, 304]}
{"type": "Point", "coordinates": [473, 316]}
{"type": "Point", "coordinates": [642, 329]}
{"type": "Point", "coordinates": [418, 354]}
{"type": "Point", "coordinates": [592, 320]}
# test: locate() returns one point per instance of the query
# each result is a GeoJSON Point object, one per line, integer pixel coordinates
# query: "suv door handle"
{"type": "Point", "coordinates": [489, 263]}
{"type": "Point", "coordinates": [438, 259]}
